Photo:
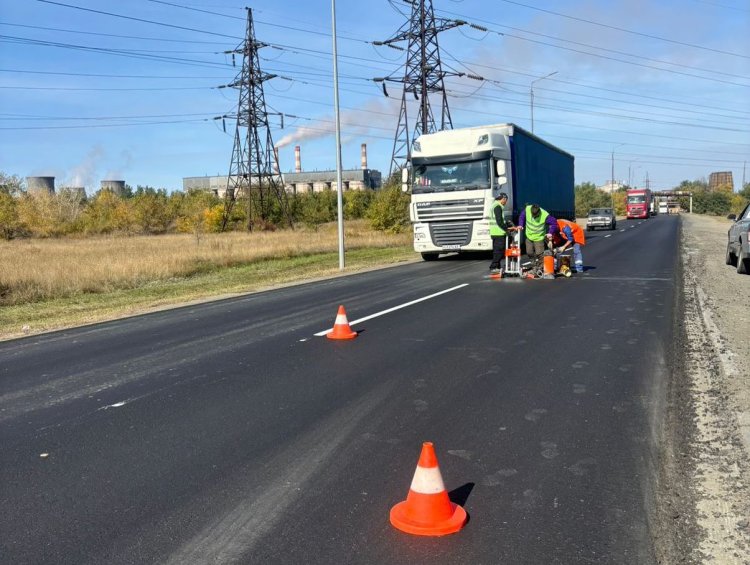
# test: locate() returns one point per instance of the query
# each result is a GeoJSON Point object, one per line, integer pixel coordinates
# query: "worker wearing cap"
{"type": "Point", "coordinates": [499, 228]}
{"type": "Point", "coordinates": [571, 234]}
{"type": "Point", "coordinates": [539, 227]}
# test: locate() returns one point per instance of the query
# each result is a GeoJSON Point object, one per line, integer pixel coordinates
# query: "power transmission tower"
{"type": "Point", "coordinates": [251, 171]}
{"type": "Point", "coordinates": [423, 75]}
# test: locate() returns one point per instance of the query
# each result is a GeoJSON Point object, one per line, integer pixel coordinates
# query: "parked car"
{"type": "Point", "coordinates": [738, 242]}
{"type": "Point", "coordinates": [601, 218]}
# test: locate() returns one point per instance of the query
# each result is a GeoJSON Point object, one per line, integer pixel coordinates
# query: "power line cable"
{"type": "Point", "coordinates": [712, 79]}
{"type": "Point", "coordinates": [139, 37]}
{"type": "Point", "coordinates": [140, 19]}
{"type": "Point", "coordinates": [684, 44]}
{"type": "Point", "coordinates": [116, 52]}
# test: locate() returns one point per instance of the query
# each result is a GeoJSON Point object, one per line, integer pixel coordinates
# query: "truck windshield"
{"type": "Point", "coordinates": [471, 175]}
{"type": "Point", "coordinates": [636, 199]}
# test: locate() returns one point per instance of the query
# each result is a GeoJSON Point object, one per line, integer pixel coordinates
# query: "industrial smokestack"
{"type": "Point", "coordinates": [276, 169]}
{"type": "Point", "coordinates": [364, 156]}
{"type": "Point", "coordinates": [297, 160]}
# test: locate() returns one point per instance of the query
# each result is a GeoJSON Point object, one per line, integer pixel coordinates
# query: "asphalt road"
{"type": "Point", "coordinates": [229, 433]}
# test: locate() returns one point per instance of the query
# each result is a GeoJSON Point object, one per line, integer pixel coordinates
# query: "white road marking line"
{"type": "Point", "coordinates": [622, 230]}
{"type": "Point", "coordinates": [116, 404]}
{"type": "Point", "coordinates": [606, 236]}
{"type": "Point", "coordinates": [371, 316]}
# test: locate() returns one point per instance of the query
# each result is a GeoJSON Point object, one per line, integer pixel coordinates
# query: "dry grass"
{"type": "Point", "coordinates": [54, 284]}
{"type": "Point", "coordinates": [41, 270]}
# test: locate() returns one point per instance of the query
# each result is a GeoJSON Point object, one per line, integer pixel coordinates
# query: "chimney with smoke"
{"type": "Point", "coordinates": [297, 160]}
{"type": "Point", "coordinates": [364, 156]}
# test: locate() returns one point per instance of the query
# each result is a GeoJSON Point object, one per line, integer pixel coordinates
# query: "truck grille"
{"type": "Point", "coordinates": [450, 233]}
{"type": "Point", "coordinates": [469, 209]}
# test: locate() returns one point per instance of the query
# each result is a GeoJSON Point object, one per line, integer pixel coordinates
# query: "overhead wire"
{"type": "Point", "coordinates": [633, 32]}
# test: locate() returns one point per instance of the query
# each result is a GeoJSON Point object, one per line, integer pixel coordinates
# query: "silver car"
{"type": "Point", "coordinates": [738, 244]}
{"type": "Point", "coordinates": [601, 218]}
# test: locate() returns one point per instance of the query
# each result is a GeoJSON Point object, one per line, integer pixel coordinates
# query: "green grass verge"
{"type": "Point", "coordinates": [23, 319]}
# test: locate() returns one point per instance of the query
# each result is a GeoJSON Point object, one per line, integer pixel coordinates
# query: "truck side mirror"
{"type": "Point", "coordinates": [500, 168]}
{"type": "Point", "coordinates": [404, 180]}
{"type": "Point", "coordinates": [502, 180]}
{"type": "Point", "coordinates": [732, 217]}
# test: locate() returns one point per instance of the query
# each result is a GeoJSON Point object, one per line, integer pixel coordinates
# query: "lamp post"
{"type": "Point", "coordinates": [339, 181]}
{"type": "Point", "coordinates": [612, 180]}
{"type": "Point", "coordinates": [532, 96]}
{"type": "Point", "coordinates": [632, 170]}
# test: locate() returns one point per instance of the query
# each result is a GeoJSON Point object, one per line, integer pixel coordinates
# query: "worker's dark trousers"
{"type": "Point", "coordinates": [498, 251]}
{"type": "Point", "coordinates": [535, 250]}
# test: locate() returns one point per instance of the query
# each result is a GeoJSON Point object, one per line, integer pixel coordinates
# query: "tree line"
{"type": "Point", "coordinates": [719, 202]}
{"type": "Point", "coordinates": [150, 211]}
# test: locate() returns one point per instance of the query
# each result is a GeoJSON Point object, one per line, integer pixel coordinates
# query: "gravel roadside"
{"type": "Point", "coordinates": [704, 484]}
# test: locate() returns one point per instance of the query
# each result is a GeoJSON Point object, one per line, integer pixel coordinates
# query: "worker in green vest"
{"type": "Point", "coordinates": [538, 226]}
{"type": "Point", "coordinates": [499, 228]}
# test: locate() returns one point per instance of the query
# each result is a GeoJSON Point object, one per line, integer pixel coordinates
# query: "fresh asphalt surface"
{"type": "Point", "coordinates": [229, 433]}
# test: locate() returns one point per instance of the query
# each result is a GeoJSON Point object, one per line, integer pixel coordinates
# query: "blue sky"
{"type": "Point", "coordinates": [86, 96]}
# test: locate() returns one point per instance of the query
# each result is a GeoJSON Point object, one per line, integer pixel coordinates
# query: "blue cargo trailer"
{"type": "Point", "coordinates": [454, 176]}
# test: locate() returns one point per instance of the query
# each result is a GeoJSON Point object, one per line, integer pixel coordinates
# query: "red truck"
{"type": "Point", "coordinates": [638, 203]}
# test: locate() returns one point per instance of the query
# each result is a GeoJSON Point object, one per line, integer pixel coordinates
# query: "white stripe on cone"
{"type": "Point", "coordinates": [427, 480]}
{"type": "Point", "coordinates": [341, 320]}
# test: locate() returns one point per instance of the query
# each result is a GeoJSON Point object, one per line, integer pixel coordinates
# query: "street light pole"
{"type": "Point", "coordinates": [339, 180]}
{"type": "Point", "coordinates": [532, 97]}
{"type": "Point", "coordinates": [612, 180]}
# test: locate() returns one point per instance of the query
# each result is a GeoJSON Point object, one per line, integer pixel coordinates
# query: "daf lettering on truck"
{"type": "Point", "coordinates": [454, 176]}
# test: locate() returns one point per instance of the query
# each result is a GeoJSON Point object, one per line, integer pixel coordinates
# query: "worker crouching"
{"type": "Point", "coordinates": [569, 235]}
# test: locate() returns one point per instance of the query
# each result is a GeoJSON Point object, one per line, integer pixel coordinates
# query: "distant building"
{"type": "Point", "coordinates": [719, 179]}
{"type": "Point", "coordinates": [298, 183]}
{"type": "Point", "coordinates": [609, 188]}
{"type": "Point", "coordinates": [318, 181]}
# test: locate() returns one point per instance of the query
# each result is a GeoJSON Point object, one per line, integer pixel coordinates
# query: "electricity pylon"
{"type": "Point", "coordinates": [423, 75]}
{"type": "Point", "coordinates": [252, 174]}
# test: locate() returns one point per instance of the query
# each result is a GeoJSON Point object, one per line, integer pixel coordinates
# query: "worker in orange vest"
{"type": "Point", "coordinates": [571, 234]}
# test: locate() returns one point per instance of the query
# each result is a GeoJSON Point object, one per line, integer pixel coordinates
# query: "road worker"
{"type": "Point", "coordinates": [499, 228]}
{"type": "Point", "coordinates": [571, 234]}
{"type": "Point", "coordinates": [539, 227]}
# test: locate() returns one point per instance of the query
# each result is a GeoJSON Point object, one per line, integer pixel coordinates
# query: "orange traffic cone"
{"type": "Point", "coordinates": [427, 510]}
{"type": "Point", "coordinates": [341, 329]}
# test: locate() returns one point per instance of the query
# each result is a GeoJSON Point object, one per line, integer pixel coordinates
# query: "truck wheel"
{"type": "Point", "coordinates": [731, 259]}
{"type": "Point", "coordinates": [430, 256]}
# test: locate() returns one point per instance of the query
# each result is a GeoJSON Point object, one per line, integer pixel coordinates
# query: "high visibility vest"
{"type": "Point", "coordinates": [578, 235]}
{"type": "Point", "coordinates": [496, 230]}
{"type": "Point", "coordinates": [535, 229]}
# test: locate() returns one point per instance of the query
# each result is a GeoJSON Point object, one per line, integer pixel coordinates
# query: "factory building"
{"type": "Point", "coordinates": [300, 182]}
{"type": "Point", "coordinates": [720, 179]}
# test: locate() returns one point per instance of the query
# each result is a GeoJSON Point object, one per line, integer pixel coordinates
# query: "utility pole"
{"type": "Point", "coordinates": [251, 171]}
{"type": "Point", "coordinates": [339, 181]}
{"type": "Point", "coordinates": [423, 76]}
{"type": "Point", "coordinates": [532, 96]}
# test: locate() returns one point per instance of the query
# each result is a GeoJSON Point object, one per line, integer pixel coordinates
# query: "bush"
{"type": "Point", "coordinates": [588, 196]}
{"type": "Point", "coordinates": [389, 210]}
{"type": "Point", "coordinates": [10, 223]}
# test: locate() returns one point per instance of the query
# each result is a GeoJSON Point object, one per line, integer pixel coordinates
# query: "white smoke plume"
{"type": "Point", "coordinates": [357, 122]}
{"type": "Point", "coordinates": [84, 173]}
